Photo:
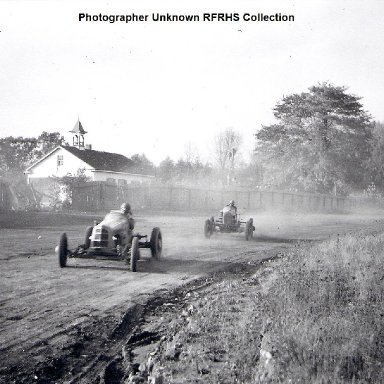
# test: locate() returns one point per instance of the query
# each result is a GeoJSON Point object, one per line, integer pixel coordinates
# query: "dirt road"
{"type": "Point", "coordinates": [65, 325]}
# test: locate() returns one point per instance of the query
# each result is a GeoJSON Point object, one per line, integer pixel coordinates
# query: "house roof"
{"type": "Point", "coordinates": [105, 161]}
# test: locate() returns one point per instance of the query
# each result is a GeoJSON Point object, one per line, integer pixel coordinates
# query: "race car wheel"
{"type": "Point", "coordinates": [249, 228]}
{"type": "Point", "coordinates": [212, 219]}
{"type": "Point", "coordinates": [87, 240]}
{"type": "Point", "coordinates": [134, 253]}
{"type": "Point", "coordinates": [156, 243]}
{"type": "Point", "coordinates": [63, 250]}
{"type": "Point", "coordinates": [207, 228]}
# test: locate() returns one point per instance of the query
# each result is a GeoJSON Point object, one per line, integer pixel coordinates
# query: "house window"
{"type": "Point", "coordinates": [111, 180]}
{"type": "Point", "coordinates": [122, 182]}
{"type": "Point", "coordinates": [60, 160]}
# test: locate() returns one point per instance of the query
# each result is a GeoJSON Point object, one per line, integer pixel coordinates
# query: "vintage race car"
{"type": "Point", "coordinates": [112, 239]}
{"type": "Point", "coordinates": [228, 222]}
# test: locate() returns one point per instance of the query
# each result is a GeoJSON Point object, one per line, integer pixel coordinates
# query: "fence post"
{"type": "Point", "coordinates": [102, 196]}
{"type": "Point", "coordinates": [170, 198]}
{"type": "Point", "coordinates": [149, 196]}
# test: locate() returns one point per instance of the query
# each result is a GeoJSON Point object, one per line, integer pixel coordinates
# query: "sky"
{"type": "Point", "coordinates": [158, 88]}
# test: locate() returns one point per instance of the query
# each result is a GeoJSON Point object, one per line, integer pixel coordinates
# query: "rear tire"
{"type": "Point", "coordinates": [156, 243]}
{"type": "Point", "coordinates": [207, 228]}
{"type": "Point", "coordinates": [134, 254]}
{"type": "Point", "coordinates": [249, 228]}
{"type": "Point", "coordinates": [87, 240]}
{"type": "Point", "coordinates": [63, 250]}
{"type": "Point", "coordinates": [212, 220]}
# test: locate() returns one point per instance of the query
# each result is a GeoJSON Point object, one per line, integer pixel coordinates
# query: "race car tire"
{"type": "Point", "coordinates": [156, 243]}
{"type": "Point", "coordinates": [134, 253]}
{"type": "Point", "coordinates": [212, 220]}
{"type": "Point", "coordinates": [207, 228]}
{"type": "Point", "coordinates": [63, 250]}
{"type": "Point", "coordinates": [249, 228]}
{"type": "Point", "coordinates": [87, 240]}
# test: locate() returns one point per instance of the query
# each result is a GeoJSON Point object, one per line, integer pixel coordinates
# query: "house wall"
{"type": "Point", "coordinates": [49, 166]}
{"type": "Point", "coordinates": [120, 178]}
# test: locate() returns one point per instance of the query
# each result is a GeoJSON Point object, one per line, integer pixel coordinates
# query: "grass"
{"type": "Point", "coordinates": [212, 337]}
{"type": "Point", "coordinates": [323, 317]}
{"type": "Point", "coordinates": [314, 316]}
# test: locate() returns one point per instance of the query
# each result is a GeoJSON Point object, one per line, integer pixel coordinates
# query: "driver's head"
{"type": "Point", "coordinates": [232, 203]}
{"type": "Point", "coordinates": [125, 208]}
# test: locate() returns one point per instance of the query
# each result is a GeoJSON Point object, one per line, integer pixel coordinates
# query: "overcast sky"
{"type": "Point", "coordinates": [151, 87]}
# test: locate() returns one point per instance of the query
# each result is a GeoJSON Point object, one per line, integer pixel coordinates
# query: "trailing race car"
{"type": "Point", "coordinates": [112, 239]}
{"type": "Point", "coordinates": [227, 222]}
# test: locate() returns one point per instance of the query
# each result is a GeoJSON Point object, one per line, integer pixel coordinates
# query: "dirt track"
{"type": "Point", "coordinates": [66, 325]}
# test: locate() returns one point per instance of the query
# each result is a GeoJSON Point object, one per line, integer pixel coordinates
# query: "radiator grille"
{"type": "Point", "coordinates": [100, 238]}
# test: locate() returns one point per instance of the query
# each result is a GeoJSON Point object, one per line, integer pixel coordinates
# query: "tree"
{"type": "Point", "coordinates": [227, 146]}
{"type": "Point", "coordinates": [61, 190]}
{"type": "Point", "coordinates": [16, 153]}
{"type": "Point", "coordinates": [166, 170]}
{"type": "Point", "coordinates": [191, 154]}
{"type": "Point", "coordinates": [377, 157]}
{"type": "Point", "coordinates": [47, 141]}
{"type": "Point", "coordinates": [141, 164]}
{"type": "Point", "coordinates": [320, 143]}
{"type": "Point", "coordinates": [250, 174]}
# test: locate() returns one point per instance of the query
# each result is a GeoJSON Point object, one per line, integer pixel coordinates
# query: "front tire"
{"type": "Point", "coordinates": [87, 240]}
{"type": "Point", "coordinates": [156, 243]}
{"type": "Point", "coordinates": [63, 250]}
{"type": "Point", "coordinates": [207, 228]}
{"type": "Point", "coordinates": [249, 228]}
{"type": "Point", "coordinates": [134, 254]}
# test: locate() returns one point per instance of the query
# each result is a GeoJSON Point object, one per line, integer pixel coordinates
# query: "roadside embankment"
{"type": "Point", "coordinates": [314, 315]}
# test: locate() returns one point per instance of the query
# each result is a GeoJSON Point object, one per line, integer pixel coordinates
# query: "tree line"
{"type": "Point", "coordinates": [17, 153]}
{"type": "Point", "coordinates": [322, 141]}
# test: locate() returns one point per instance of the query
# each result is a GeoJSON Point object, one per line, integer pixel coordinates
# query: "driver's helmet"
{"type": "Point", "coordinates": [232, 203]}
{"type": "Point", "coordinates": [125, 208]}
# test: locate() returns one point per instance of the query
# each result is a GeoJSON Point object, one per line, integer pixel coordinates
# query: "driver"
{"type": "Point", "coordinates": [232, 207]}
{"type": "Point", "coordinates": [125, 209]}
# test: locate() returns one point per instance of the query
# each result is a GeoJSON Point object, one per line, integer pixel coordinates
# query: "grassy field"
{"type": "Point", "coordinates": [323, 316]}
{"type": "Point", "coordinates": [315, 315]}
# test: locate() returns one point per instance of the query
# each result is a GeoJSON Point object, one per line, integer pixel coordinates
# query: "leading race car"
{"type": "Point", "coordinates": [112, 239]}
{"type": "Point", "coordinates": [227, 222]}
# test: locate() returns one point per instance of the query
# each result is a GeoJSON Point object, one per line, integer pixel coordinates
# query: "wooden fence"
{"type": "Point", "coordinates": [98, 196]}
{"type": "Point", "coordinates": [5, 197]}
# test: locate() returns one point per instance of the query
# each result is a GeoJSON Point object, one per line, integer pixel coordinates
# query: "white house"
{"type": "Point", "coordinates": [96, 165]}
